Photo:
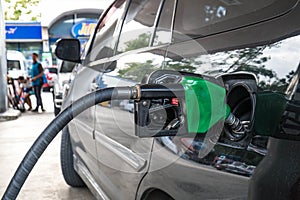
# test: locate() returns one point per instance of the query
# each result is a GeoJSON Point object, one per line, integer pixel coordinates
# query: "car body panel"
{"type": "Point", "coordinates": [121, 153]}
{"type": "Point", "coordinates": [182, 178]}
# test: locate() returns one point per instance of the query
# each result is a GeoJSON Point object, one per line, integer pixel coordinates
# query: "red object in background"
{"type": "Point", "coordinates": [49, 78]}
{"type": "Point", "coordinates": [174, 101]}
{"type": "Point", "coordinates": [51, 74]}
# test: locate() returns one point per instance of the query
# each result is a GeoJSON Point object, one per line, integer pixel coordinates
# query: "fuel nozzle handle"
{"type": "Point", "coordinates": [236, 125]}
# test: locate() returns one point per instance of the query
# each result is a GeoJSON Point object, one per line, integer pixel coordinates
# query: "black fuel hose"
{"type": "Point", "coordinates": [42, 142]}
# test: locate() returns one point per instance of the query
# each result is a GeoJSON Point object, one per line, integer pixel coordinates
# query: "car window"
{"type": "Point", "coordinates": [138, 25]}
{"type": "Point", "coordinates": [52, 70]}
{"type": "Point", "coordinates": [67, 67]}
{"type": "Point", "coordinates": [163, 31]}
{"type": "Point", "coordinates": [105, 35]}
{"type": "Point", "coordinates": [13, 65]}
{"type": "Point", "coordinates": [198, 18]}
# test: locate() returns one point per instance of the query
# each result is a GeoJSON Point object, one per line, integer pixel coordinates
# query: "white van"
{"type": "Point", "coordinates": [16, 64]}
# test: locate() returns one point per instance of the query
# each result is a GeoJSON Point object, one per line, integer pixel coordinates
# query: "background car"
{"type": "Point", "coordinates": [16, 64]}
{"type": "Point", "coordinates": [236, 44]}
{"type": "Point", "coordinates": [61, 84]}
{"type": "Point", "coordinates": [51, 76]}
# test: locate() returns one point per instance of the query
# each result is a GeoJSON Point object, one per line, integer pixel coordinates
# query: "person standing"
{"type": "Point", "coordinates": [37, 73]}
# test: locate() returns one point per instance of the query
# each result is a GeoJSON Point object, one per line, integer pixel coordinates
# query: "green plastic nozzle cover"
{"type": "Point", "coordinates": [205, 104]}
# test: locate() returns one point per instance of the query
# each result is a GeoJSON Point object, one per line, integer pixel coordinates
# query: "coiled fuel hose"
{"type": "Point", "coordinates": [42, 142]}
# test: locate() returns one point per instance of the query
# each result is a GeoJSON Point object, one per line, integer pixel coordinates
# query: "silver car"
{"type": "Point", "coordinates": [249, 49]}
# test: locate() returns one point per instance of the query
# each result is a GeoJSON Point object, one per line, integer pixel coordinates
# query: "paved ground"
{"type": "Point", "coordinates": [46, 181]}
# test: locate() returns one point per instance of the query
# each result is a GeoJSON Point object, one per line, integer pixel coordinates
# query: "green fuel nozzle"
{"type": "Point", "coordinates": [205, 103]}
{"type": "Point", "coordinates": [202, 106]}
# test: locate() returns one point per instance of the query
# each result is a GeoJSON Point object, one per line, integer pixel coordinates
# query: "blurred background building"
{"type": "Point", "coordinates": [58, 19]}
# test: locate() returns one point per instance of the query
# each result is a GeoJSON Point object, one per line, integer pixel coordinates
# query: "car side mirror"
{"type": "Point", "coordinates": [68, 50]}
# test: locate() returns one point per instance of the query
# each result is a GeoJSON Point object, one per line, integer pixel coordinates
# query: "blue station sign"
{"type": "Point", "coordinates": [23, 31]}
{"type": "Point", "coordinates": [84, 28]}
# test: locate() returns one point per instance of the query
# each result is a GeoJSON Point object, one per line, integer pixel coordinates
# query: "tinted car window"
{"type": "Point", "coordinates": [52, 70]}
{"type": "Point", "coordinates": [138, 25]}
{"type": "Point", "coordinates": [105, 34]}
{"type": "Point", "coordinates": [164, 26]}
{"type": "Point", "coordinates": [196, 18]}
{"type": "Point", "coordinates": [13, 64]}
{"type": "Point", "coordinates": [67, 67]}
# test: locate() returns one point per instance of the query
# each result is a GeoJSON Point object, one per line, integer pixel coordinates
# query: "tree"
{"type": "Point", "coordinates": [21, 10]}
{"type": "Point", "coordinates": [279, 85]}
{"type": "Point", "coordinates": [248, 59]}
{"type": "Point", "coordinates": [186, 65]}
{"type": "Point", "coordinates": [141, 41]}
{"type": "Point", "coordinates": [253, 60]}
{"type": "Point", "coordinates": [137, 70]}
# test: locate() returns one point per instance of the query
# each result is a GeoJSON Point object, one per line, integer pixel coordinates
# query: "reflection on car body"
{"type": "Point", "coordinates": [127, 105]}
{"type": "Point", "coordinates": [238, 168]}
